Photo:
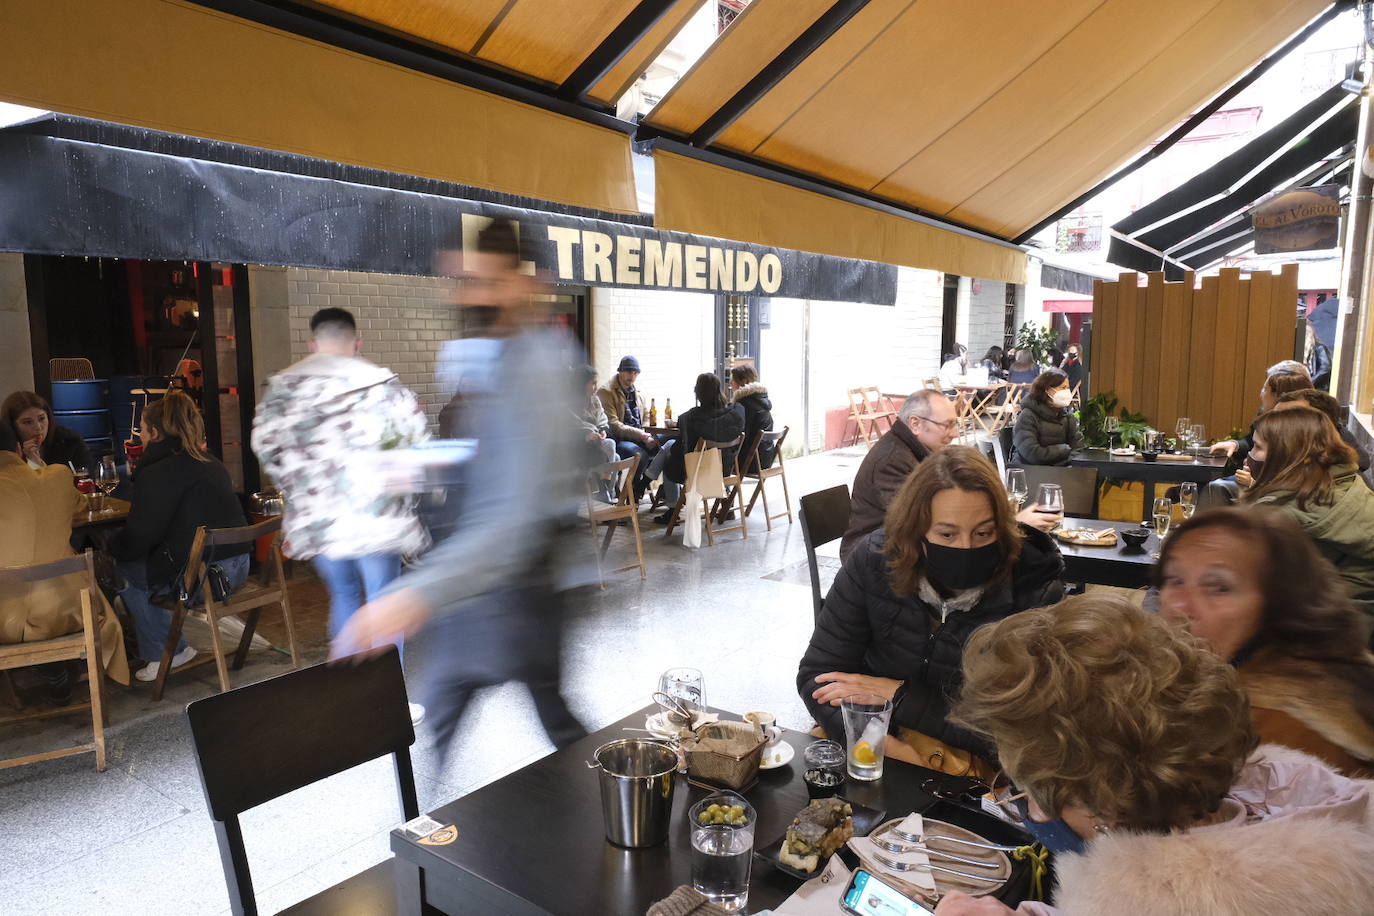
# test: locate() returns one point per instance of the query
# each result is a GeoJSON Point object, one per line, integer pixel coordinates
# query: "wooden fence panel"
{"type": "Point", "coordinates": [1240, 384]}
{"type": "Point", "coordinates": [1202, 352]}
{"type": "Point", "coordinates": [1151, 340]}
{"type": "Point", "coordinates": [1127, 344]}
{"type": "Point", "coordinates": [1102, 359]}
{"type": "Point", "coordinates": [1173, 349]}
{"type": "Point", "coordinates": [1224, 366]}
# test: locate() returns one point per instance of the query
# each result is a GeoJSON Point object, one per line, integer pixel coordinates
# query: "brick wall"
{"type": "Point", "coordinates": [402, 321]}
{"type": "Point", "coordinates": [986, 316]}
{"type": "Point", "coordinates": [672, 335]}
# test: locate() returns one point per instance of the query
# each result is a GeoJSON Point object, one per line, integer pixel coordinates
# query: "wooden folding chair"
{"type": "Point", "coordinates": [1077, 401]}
{"type": "Point", "coordinates": [734, 494]}
{"type": "Point", "coordinates": [865, 416]}
{"type": "Point", "coordinates": [754, 470]}
{"type": "Point", "coordinates": [1000, 415]}
{"type": "Point", "coordinates": [264, 740]}
{"type": "Point", "coordinates": [73, 647]}
{"type": "Point", "coordinates": [880, 405]}
{"type": "Point", "coordinates": [933, 384]}
{"type": "Point", "coordinates": [70, 369]}
{"type": "Point", "coordinates": [250, 599]}
{"type": "Point", "coordinates": [615, 515]}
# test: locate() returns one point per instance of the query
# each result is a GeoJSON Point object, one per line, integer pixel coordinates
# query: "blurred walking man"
{"type": "Point", "coordinates": [317, 424]}
{"type": "Point", "coordinates": [490, 588]}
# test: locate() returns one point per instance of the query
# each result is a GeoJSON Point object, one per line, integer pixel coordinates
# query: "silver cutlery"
{"type": "Point", "coordinates": [904, 866]}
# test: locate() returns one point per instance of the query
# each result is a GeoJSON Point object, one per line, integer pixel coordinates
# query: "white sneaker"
{"type": "Point", "coordinates": [149, 671]}
{"type": "Point", "coordinates": [417, 712]}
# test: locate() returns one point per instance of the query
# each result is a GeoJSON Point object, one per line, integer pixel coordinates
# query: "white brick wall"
{"type": "Point", "coordinates": [402, 321]}
{"type": "Point", "coordinates": [672, 335]}
{"type": "Point", "coordinates": [986, 317]}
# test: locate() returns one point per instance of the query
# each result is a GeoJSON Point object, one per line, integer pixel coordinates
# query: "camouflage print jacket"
{"type": "Point", "coordinates": [313, 431]}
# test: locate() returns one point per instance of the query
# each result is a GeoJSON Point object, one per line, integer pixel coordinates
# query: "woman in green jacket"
{"type": "Point", "coordinates": [1300, 465]}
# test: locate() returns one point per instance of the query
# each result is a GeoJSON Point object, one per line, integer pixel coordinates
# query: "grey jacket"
{"type": "Point", "coordinates": [1044, 434]}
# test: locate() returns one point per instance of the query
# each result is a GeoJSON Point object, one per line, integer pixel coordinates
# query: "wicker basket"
{"type": "Point", "coordinates": [725, 754]}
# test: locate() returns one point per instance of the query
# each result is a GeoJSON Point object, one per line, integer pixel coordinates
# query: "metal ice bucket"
{"type": "Point", "coordinates": [636, 789]}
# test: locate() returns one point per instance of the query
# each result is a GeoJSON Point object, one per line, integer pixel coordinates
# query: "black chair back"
{"type": "Point", "coordinates": [258, 742]}
{"type": "Point", "coordinates": [824, 518]}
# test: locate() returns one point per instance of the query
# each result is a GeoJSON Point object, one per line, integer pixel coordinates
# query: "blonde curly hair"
{"type": "Point", "coordinates": [1095, 702]}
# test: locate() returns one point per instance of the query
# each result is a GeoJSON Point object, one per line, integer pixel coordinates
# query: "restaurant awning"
{"type": "Point", "coordinates": [180, 67]}
{"type": "Point", "coordinates": [991, 121]}
{"type": "Point", "coordinates": [1204, 219]}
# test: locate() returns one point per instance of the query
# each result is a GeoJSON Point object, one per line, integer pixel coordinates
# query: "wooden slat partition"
{"type": "Point", "coordinates": [1190, 349]}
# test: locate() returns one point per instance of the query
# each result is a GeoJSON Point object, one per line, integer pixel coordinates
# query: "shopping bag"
{"type": "Point", "coordinates": [691, 519]}
{"type": "Point", "coordinates": [704, 473]}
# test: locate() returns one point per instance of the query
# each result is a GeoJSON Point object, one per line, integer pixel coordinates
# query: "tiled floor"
{"type": "Point", "coordinates": [137, 839]}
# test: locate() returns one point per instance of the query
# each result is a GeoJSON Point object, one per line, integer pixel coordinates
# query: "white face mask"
{"type": "Point", "coordinates": [1062, 398]}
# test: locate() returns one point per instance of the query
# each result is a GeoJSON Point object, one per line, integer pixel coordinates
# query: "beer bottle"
{"type": "Point", "coordinates": [667, 410]}
{"type": "Point", "coordinates": [653, 412]}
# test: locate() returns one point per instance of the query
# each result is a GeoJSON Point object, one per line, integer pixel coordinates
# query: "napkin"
{"type": "Point", "coordinates": [867, 850]}
{"type": "Point", "coordinates": [821, 895]}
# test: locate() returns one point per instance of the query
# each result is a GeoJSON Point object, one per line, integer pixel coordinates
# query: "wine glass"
{"type": "Point", "coordinates": [1182, 427]}
{"type": "Point", "coordinates": [1163, 516]}
{"type": "Point", "coordinates": [106, 479]}
{"type": "Point", "coordinates": [1051, 498]}
{"type": "Point", "coordinates": [1198, 434]}
{"type": "Point", "coordinates": [1112, 425]}
{"type": "Point", "coordinates": [1187, 499]}
{"type": "Point", "coordinates": [1017, 488]}
{"type": "Point", "coordinates": [686, 685]}
{"type": "Point", "coordinates": [84, 485]}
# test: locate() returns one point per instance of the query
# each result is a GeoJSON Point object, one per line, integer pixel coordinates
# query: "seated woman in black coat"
{"type": "Point", "coordinates": [41, 441]}
{"type": "Point", "coordinates": [950, 559]}
{"type": "Point", "coordinates": [178, 488]}
{"type": "Point", "coordinates": [1046, 431]}
{"type": "Point", "coordinates": [749, 393]}
{"type": "Point", "coordinates": [713, 419]}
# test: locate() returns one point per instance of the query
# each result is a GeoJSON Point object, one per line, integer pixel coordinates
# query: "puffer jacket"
{"type": "Point", "coordinates": [315, 427]}
{"type": "Point", "coordinates": [1343, 529]}
{"type": "Point", "coordinates": [758, 417]}
{"type": "Point", "coordinates": [1293, 836]}
{"type": "Point", "coordinates": [865, 628]}
{"type": "Point", "coordinates": [881, 474]}
{"type": "Point", "coordinates": [715, 424]}
{"type": "Point", "coordinates": [1044, 434]}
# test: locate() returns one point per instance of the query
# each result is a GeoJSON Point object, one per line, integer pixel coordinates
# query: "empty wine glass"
{"type": "Point", "coordinates": [1187, 499]}
{"type": "Point", "coordinates": [1051, 498]}
{"type": "Point", "coordinates": [106, 478]}
{"type": "Point", "coordinates": [1112, 425]}
{"type": "Point", "coordinates": [1199, 436]}
{"type": "Point", "coordinates": [1017, 488]}
{"type": "Point", "coordinates": [685, 684]}
{"type": "Point", "coordinates": [1182, 426]}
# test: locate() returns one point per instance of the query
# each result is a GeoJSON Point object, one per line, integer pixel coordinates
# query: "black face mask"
{"type": "Point", "coordinates": [962, 567]}
{"type": "Point", "coordinates": [1255, 467]}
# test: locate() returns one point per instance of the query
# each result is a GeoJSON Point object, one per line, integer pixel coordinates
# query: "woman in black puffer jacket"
{"type": "Point", "coordinates": [1046, 431]}
{"type": "Point", "coordinates": [713, 419]}
{"type": "Point", "coordinates": [746, 391]}
{"type": "Point", "coordinates": [950, 559]}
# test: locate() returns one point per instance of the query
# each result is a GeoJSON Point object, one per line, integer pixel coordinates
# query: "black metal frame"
{"type": "Point", "coordinates": [243, 352]}
{"type": "Point", "coordinates": [1187, 127]}
{"type": "Point", "coordinates": [815, 35]}
{"type": "Point", "coordinates": [615, 46]}
{"type": "Point", "coordinates": [34, 288]}
{"type": "Point", "coordinates": [209, 356]}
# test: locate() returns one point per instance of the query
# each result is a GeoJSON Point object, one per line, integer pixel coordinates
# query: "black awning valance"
{"type": "Point", "coordinates": [1203, 219]}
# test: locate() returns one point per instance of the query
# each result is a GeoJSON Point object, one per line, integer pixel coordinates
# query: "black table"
{"type": "Point", "coordinates": [1199, 470]}
{"type": "Point", "coordinates": [534, 842]}
{"type": "Point", "coordinates": [1122, 566]}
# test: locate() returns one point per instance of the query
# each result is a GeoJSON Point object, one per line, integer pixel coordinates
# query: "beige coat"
{"type": "Point", "coordinates": [36, 517]}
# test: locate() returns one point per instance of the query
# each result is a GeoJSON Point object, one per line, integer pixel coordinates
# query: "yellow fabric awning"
{"type": "Point", "coordinates": [179, 67]}
{"type": "Point", "coordinates": [709, 199]}
{"type": "Point", "coordinates": [544, 40]}
{"type": "Point", "coordinates": [992, 115]}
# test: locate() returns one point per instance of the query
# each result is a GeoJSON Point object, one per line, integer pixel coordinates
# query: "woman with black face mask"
{"type": "Point", "coordinates": [949, 559]}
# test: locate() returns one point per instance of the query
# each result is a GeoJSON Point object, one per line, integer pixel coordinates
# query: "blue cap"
{"type": "Point", "coordinates": [628, 364]}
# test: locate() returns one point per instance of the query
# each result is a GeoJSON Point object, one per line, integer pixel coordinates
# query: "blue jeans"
{"type": "Point", "coordinates": [670, 490]}
{"type": "Point", "coordinates": [151, 622]}
{"type": "Point", "coordinates": [354, 581]}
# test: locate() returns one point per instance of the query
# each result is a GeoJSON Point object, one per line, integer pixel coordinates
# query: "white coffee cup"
{"type": "Point", "coordinates": [766, 723]}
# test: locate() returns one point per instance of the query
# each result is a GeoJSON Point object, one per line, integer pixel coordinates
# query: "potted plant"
{"type": "Point", "coordinates": [1096, 409]}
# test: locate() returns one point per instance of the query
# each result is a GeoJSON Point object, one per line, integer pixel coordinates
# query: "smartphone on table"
{"type": "Point", "coordinates": [869, 895]}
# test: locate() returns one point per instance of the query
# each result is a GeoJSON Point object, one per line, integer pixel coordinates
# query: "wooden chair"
{"type": "Point", "coordinates": [250, 599]}
{"type": "Point", "coordinates": [756, 472]}
{"type": "Point", "coordinates": [995, 416]}
{"type": "Point", "coordinates": [70, 369]}
{"type": "Point", "coordinates": [1077, 401]}
{"type": "Point", "coordinates": [865, 414]}
{"type": "Point", "coordinates": [617, 514]}
{"type": "Point", "coordinates": [734, 495]}
{"type": "Point", "coordinates": [933, 384]}
{"type": "Point", "coordinates": [824, 518]}
{"type": "Point", "coordinates": [82, 645]}
{"type": "Point", "coordinates": [259, 742]}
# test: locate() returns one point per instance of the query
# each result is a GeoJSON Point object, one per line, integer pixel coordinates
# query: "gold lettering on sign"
{"type": "Point", "coordinates": [746, 272]}
{"type": "Point", "coordinates": [722, 269]}
{"type": "Point", "coordinates": [565, 238]}
{"type": "Point", "coordinates": [626, 259]}
{"type": "Point", "coordinates": [596, 257]}
{"type": "Point", "coordinates": [696, 266]}
{"type": "Point", "coordinates": [662, 263]}
{"type": "Point", "coordinates": [770, 273]}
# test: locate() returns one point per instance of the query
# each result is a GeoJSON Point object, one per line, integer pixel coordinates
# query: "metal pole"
{"type": "Point", "coordinates": [1354, 268]}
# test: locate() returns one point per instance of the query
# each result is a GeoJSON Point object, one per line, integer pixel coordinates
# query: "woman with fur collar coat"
{"type": "Point", "coordinates": [1254, 587]}
{"type": "Point", "coordinates": [747, 391]}
{"type": "Point", "coordinates": [1131, 744]}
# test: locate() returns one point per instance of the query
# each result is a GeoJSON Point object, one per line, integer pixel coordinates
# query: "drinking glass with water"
{"type": "Point", "coordinates": [722, 828]}
{"type": "Point", "coordinates": [865, 724]}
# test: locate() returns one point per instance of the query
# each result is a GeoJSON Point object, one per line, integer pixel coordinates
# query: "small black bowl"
{"type": "Point", "coordinates": [1135, 537]}
{"type": "Point", "coordinates": [1149, 456]}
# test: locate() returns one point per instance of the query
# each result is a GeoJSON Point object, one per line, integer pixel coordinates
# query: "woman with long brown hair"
{"type": "Point", "coordinates": [950, 559]}
{"type": "Point", "coordinates": [1253, 586]}
{"type": "Point", "coordinates": [1300, 465]}
{"type": "Point", "coordinates": [41, 441]}
{"type": "Point", "coordinates": [178, 488]}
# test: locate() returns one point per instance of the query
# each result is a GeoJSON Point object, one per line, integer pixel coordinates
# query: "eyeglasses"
{"type": "Point", "coordinates": [949, 426]}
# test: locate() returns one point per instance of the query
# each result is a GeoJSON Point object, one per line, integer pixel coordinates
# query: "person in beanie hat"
{"type": "Point", "coordinates": [627, 413]}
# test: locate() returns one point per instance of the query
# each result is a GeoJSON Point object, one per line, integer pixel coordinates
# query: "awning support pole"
{"type": "Point", "coordinates": [1355, 269]}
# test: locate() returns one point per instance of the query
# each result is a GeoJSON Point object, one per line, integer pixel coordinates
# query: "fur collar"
{"type": "Point", "coordinates": [1313, 861]}
{"type": "Point", "coordinates": [752, 388]}
{"type": "Point", "coordinates": [1317, 697]}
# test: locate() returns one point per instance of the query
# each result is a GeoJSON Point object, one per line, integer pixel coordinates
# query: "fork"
{"type": "Point", "coordinates": [907, 847]}
{"type": "Point", "coordinates": [922, 838]}
{"type": "Point", "coordinates": [905, 866]}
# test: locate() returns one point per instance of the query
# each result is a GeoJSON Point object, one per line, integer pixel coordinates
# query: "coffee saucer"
{"type": "Point", "coordinates": [779, 754]}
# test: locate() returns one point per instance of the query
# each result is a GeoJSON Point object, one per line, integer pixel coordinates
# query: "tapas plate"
{"type": "Point", "coordinates": [865, 820]}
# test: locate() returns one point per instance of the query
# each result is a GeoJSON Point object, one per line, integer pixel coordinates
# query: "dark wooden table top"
{"type": "Point", "coordinates": [535, 839]}
{"type": "Point", "coordinates": [119, 511]}
{"type": "Point", "coordinates": [1137, 468]}
{"type": "Point", "coordinates": [1122, 565]}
